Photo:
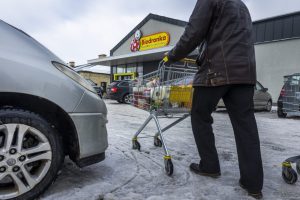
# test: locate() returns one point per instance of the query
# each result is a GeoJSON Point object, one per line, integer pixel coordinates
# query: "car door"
{"type": "Point", "coordinates": [259, 96]}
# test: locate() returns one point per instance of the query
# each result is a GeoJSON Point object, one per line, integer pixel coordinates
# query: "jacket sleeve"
{"type": "Point", "coordinates": [195, 31]}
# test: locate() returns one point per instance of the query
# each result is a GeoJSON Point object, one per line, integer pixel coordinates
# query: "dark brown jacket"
{"type": "Point", "coordinates": [226, 26]}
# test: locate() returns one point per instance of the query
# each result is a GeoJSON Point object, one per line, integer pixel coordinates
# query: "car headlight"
{"type": "Point", "coordinates": [74, 75]}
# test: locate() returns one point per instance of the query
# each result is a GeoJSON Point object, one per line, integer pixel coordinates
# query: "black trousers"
{"type": "Point", "coordinates": [238, 100]}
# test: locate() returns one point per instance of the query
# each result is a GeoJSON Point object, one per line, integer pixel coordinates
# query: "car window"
{"type": "Point", "coordinates": [295, 80]}
{"type": "Point", "coordinates": [113, 83]}
{"type": "Point", "coordinates": [258, 86]}
{"type": "Point", "coordinates": [124, 84]}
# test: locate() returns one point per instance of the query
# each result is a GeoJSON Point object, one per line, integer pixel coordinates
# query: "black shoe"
{"type": "Point", "coordinates": [256, 195]}
{"type": "Point", "coordinates": [194, 167]}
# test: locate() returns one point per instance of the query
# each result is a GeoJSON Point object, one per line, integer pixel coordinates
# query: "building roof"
{"type": "Point", "coordinates": [99, 69]}
{"type": "Point", "coordinates": [278, 28]}
{"type": "Point", "coordinates": [143, 22]}
{"type": "Point", "coordinates": [184, 23]}
{"type": "Point", "coordinates": [275, 33]}
{"type": "Point", "coordinates": [143, 56]}
{"type": "Point", "coordinates": [277, 17]}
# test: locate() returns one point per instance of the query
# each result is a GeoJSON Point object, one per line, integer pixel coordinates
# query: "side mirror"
{"type": "Point", "coordinates": [265, 89]}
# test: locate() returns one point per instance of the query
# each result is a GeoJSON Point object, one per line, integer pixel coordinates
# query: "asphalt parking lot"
{"type": "Point", "coordinates": [129, 174]}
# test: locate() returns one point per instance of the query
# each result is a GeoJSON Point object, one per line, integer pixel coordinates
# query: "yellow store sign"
{"type": "Point", "coordinates": [154, 41]}
{"type": "Point", "coordinates": [148, 42]}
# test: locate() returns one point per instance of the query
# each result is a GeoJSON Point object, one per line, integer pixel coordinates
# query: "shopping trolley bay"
{"type": "Point", "coordinates": [131, 174]}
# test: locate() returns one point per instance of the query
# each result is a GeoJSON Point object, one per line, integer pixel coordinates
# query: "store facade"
{"type": "Point", "coordinates": [143, 48]}
{"type": "Point", "coordinates": [277, 46]}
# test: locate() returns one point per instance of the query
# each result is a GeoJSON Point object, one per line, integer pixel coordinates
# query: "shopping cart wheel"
{"type": "Point", "coordinates": [136, 145]}
{"type": "Point", "coordinates": [157, 142]}
{"type": "Point", "coordinates": [168, 165]}
{"type": "Point", "coordinates": [289, 175]}
{"type": "Point", "coordinates": [298, 166]}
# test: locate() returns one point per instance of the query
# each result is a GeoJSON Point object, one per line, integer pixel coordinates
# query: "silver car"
{"type": "Point", "coordinates": [262, 99]}
{"type": "Point", "coordinates": [47, 111]}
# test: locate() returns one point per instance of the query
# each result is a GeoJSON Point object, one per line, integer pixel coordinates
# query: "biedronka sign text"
{"type": "Point", "coordinates": [148, 42]}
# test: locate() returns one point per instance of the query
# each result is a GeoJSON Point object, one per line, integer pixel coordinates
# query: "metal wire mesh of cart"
{"type": "Point", "coordinates": [291, 99]}
{"type": "Point", "coordinates": [165, 93]}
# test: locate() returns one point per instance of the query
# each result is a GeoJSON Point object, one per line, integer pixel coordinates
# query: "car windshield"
{"type": "Point", "coordinates": [113, 83]}
{"type": "Point", "coordinates": [293, 80]}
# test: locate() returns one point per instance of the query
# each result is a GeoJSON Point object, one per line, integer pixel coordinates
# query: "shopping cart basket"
{"type": "Point", "coordinates": [291, 107]}
{"type": "Point", "coordinates": [165, 93]}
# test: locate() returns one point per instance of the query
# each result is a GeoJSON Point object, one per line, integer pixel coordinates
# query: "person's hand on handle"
{"type": "Point", "coordinates": [166, 59]}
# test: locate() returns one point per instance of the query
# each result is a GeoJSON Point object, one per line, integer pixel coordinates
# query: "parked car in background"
{"type": "Point", "coordinates": [47, 111]}
{"type": "Point", "coordinates": [280, 112]}
{"type": "Point", "coordinates": [289, 98]}
{"type": "Point", "coordinates": [262, 99]}
{"type": "Point", "coordinates": [98, 89]}
{"type": "Point", "coordinates": [119, 91]}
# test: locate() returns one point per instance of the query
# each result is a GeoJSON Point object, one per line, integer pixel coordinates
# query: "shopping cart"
{"type": "Point", "coordinates": [291, 107]}
{"type": "Point", "coordinates": [165, 93]}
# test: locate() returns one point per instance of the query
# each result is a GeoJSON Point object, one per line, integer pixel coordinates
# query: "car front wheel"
{"type": "Point", "coordinates": [269, 106]}
{"type": "Point", "coordinates": [127, 98]}
{"type": "Point", "coordinates": [31, 154]}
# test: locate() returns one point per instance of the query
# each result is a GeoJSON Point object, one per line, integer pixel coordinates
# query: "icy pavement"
{"type": "Point", "coordinates": [131, 175]}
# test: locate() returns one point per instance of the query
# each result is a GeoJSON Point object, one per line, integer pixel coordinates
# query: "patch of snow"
{"type": "Point", "coordinates": [128, 174]}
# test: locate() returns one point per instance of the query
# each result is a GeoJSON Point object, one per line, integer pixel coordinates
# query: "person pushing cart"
{"type": "Point", "coordinates": [227, 70]}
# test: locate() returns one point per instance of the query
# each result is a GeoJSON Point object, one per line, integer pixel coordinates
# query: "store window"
{"type": "Point", "coordinates": [121, 69]}
{"type": "Point", "coordinates": [114, 70]}
{"type": "Point", "coordinates": [140, 70]}
{"type": "Point", "coordinates": [131, 68]}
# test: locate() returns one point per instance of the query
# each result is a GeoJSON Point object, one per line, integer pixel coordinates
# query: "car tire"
{"type": "Point", "coordinates": [38, 158]}
{"type": "Point", "coordinates": [269, 106]}
{"type": "Point", "coordinates": [281, 114]}
{"type": "Point", "coordinates": [127, 99]}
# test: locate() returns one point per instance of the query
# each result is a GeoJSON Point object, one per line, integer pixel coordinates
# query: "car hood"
{"type": "Point", "coordinates": [17, 46]}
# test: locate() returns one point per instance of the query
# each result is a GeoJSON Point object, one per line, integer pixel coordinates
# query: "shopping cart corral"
{"type": "Point", "coordinates": [291, 107]}
{"type": "Point", "coordinates": [291, 97]}
{"type": "Point", "coordinates": [165, 93]}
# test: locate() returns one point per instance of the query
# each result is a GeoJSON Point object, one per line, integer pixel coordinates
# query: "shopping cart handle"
{"type": "Point", "coordinates": [166, 59]}
{"type": "Point", "coordinates": [188, 60]}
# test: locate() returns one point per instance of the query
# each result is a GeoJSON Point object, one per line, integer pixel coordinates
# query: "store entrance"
{"type": "Point", "coordinates": [103, 85]}
{"type": "Point", "coordinates": [125, 76]}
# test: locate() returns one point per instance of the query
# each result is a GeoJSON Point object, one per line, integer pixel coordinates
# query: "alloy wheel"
{"type": "Point", "coordinates": [128, 99]}
{"type": "Point", "coordinates": [269, 106]}
{"type": "Point", "coordinates": [25, 159]}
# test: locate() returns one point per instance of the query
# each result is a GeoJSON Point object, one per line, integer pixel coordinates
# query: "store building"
{"type": "Point", "coordinates": [98, 75]}
{"type": "Point", "coordinates": [277, 46]}
{"type": "Point", "coordinates": [141, 50]}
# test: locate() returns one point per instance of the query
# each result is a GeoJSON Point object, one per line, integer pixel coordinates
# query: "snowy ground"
{"type": "Point", "coordinates": [131, 175]}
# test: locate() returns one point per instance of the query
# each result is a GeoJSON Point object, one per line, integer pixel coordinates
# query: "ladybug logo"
{"type": "Point", "coordinates": [135, 43]}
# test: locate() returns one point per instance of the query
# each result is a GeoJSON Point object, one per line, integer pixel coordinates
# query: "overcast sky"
{"type": "Point", "coordinates": [79, 30]}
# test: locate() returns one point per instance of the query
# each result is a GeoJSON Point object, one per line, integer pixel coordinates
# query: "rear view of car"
{"type": "Point", "coordinates": [47, 111]}
{"type": "Point", "coordinates": [262, 99]}
{"type": "Point", "coordinates": [289, 98]}
{"type": "Point", "coordinates": [119, 91]}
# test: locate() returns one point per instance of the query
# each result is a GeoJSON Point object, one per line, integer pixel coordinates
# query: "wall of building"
{"type": "Point", "coordinates": [275, 60]}
{"type": "Point", "coordinates": [151, 27]}
{"type": "Point", "coordinates": [96, 78]}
